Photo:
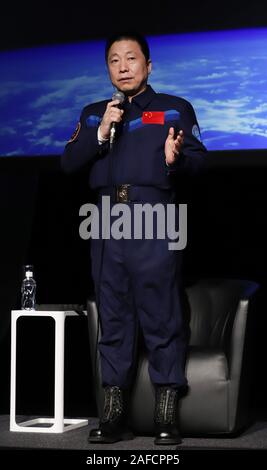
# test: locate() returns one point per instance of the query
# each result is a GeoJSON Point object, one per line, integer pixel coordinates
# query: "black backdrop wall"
{"type": "Point", "coordinates": [39, 207]}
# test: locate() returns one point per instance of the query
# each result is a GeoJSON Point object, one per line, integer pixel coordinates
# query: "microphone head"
{"type": "Point", "coordinates": [118, 95]}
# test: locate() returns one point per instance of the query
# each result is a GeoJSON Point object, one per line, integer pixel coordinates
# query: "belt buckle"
{"type": "Point", "coordinates": [122, 193]}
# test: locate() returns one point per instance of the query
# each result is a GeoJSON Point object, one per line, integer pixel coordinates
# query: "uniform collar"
{"type": "Point", "coordinates": [144, 98]}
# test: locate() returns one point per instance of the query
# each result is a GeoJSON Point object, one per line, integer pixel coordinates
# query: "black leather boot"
{"type": "Point", "coordinates": [165, 417]}
{"type": "Point", "coordinates": [113, 424]}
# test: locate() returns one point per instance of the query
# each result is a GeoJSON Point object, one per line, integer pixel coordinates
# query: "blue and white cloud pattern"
{"type": "Point", "coordinates": [223, 75]}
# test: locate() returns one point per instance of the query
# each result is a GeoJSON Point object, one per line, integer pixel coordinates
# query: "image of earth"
{"type": "Point", "coordinates": [222, 74]}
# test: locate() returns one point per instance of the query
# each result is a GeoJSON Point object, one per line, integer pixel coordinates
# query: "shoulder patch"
{"type": "Point", "coordinates": [75, 133]}
{"type": "Point", "coordinates": [196, 132]}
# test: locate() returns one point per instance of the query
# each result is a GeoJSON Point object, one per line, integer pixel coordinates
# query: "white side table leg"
{"type": "Point", "coordinates": [13, 425]}
{"type": "Point", "coordinates": [59, 373]}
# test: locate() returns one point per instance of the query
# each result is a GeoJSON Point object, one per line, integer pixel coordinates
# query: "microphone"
{"type": "Point", "coordinates": [118, 95]}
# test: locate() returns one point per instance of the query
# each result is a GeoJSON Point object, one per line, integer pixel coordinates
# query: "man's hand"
{"type": "Point", "coordinates": [173, 146]}
{"type": "Point", "coordinates": [112, 114]}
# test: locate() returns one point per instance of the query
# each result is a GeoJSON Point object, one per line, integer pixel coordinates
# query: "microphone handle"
{"type": "Point", "coordinates": [113, 125]}
{"type": "Point", "coordinates": [112, 135]}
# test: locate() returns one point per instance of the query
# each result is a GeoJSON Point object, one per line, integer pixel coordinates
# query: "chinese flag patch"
{"type": "Point", "coordinates": [153, 117]}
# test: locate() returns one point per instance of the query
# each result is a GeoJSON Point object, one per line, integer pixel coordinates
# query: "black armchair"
{"type": "Point", "coordinates": [217, 366]}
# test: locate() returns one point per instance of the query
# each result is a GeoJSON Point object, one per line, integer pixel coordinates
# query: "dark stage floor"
{"type": "Point", "coordinates": [253, 438]}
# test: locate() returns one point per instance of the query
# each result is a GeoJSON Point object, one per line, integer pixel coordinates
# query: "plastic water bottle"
{"type": "Point", "coordinates": [28, 289]}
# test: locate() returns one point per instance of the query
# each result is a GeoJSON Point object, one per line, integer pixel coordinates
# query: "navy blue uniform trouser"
{"type": "Point", "coordinates": [139, 278]}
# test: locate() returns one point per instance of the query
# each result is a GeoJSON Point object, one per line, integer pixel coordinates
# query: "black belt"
{"type": "Point", "coordinates": [131, 193]}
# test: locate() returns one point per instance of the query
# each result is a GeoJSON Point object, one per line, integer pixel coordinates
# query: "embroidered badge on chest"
{"type": "Point", "coordinates": [153, 117]}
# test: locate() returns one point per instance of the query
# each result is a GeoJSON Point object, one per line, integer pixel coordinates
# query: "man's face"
{"type": "Point", "coordinates": [128, 67]}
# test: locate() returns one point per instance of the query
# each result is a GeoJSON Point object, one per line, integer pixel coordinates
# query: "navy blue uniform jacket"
{"type": "Point", "coordinates": [138, 154]}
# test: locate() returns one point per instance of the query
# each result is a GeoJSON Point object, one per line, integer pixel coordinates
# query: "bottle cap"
{"type": "Point", "coordinates": [28, 269]}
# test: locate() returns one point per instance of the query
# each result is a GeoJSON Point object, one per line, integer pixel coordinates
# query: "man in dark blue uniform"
{"type": "Point", "coordinates": [157, 135]}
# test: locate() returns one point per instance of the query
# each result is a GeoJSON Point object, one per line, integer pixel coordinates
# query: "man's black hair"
{"type": "Point", "coordinates": [141, 40]}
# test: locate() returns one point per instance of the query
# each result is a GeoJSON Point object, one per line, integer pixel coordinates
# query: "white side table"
{"type": "Point", "coordinates": [58, 423]}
